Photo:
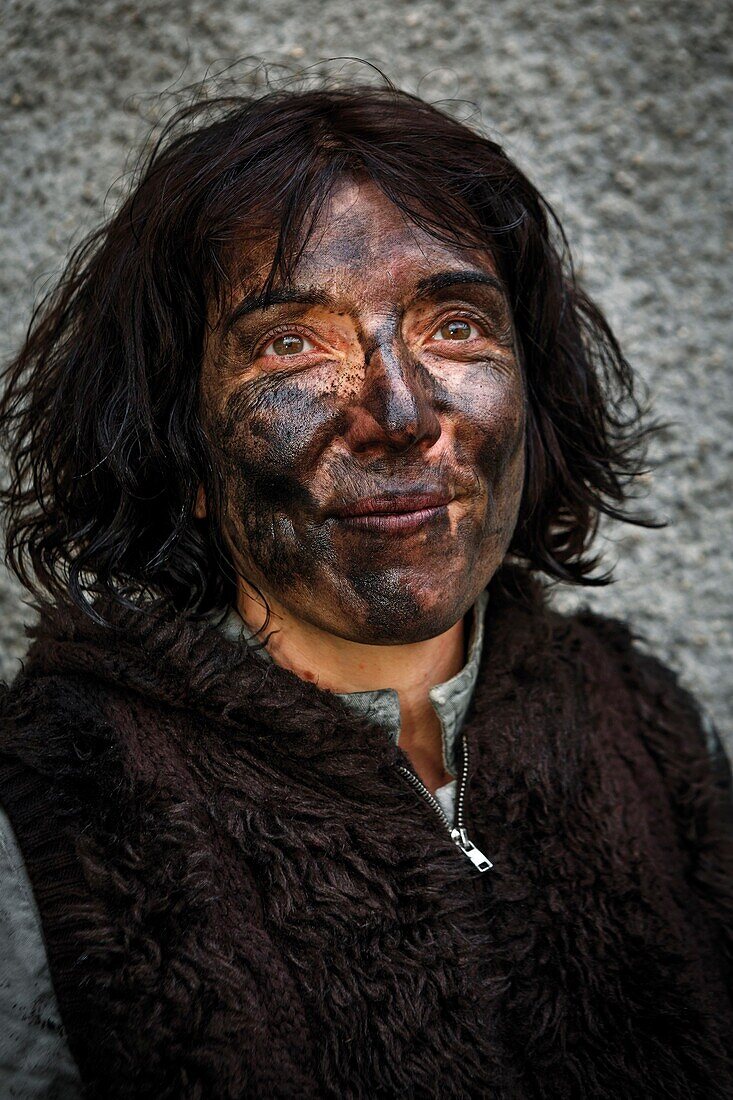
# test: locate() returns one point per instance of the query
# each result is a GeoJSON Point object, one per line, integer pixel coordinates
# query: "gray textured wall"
{"type": "Point", "coordinates": [616, 110]}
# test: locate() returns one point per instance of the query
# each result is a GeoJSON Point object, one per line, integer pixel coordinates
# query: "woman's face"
{"type": "Point", "coordinates": [387, 373]}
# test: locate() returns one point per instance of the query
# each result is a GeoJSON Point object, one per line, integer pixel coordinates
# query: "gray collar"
{"type": "Point", "coordinates": [381, 706]}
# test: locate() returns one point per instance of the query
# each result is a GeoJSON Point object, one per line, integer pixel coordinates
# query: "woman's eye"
{"type": "Point", "coordinates": [288, 343]}
{"type": "Point", "coordinates": [457, 329]}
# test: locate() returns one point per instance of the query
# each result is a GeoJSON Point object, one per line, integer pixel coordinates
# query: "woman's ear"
{"type": "Point", "coordinates": [200, 506]}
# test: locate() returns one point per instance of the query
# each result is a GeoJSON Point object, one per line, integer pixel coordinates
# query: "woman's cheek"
{"type": "Point", "coordinates": [486, 403]}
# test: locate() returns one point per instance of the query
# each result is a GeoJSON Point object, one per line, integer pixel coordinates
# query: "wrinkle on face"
{"type": "Point", "coordinates": [378, 405]}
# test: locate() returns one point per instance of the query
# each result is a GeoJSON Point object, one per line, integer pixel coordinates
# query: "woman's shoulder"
{"type": "Point", "coordinates": [677, 729]}
{"type": "Point", "coordinates": [34, 1056]}
{"type": "Point", "coordinates": [50, 720]}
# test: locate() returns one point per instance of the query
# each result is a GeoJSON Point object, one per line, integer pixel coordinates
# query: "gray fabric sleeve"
{"type": "Point", "coordinates": [35, 1061]}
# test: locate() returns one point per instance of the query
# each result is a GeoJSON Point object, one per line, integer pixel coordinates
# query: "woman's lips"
{"type": "Point", "coordinates": [393, 514]}
{"type": "Point", "coordinates": [401, 522]}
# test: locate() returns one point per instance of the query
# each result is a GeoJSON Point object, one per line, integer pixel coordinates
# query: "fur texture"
{"type": "Point", "coordinates": [243, 896]}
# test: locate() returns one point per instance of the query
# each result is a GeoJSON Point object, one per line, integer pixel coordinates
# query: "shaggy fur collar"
{"type": "Point", "coordinates": [260, 905]}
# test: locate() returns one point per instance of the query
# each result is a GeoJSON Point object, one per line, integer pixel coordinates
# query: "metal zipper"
{"type": "Point", "coordinates": [457, 832]}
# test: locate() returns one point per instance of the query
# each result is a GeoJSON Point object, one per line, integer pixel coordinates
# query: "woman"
{"type": "Point", "coordinates": [316, 795]}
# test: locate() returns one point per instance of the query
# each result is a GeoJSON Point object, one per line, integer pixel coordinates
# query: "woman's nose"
{"type": "Point", "coordinates": [395, 410]}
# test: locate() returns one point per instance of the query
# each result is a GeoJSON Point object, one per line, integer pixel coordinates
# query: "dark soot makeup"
{"type": "Point", "coordinates": [370, 425]}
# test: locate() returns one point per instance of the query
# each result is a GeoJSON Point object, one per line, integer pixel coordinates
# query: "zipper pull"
{"type": "Point", "coordinates": [469, 849]}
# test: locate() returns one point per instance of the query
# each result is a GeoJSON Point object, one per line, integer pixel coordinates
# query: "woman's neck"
{"type": "Point", "coordinates": [341, 665]}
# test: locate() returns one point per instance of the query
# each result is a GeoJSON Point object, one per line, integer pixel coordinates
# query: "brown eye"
{"type": "Point", "coordinates": [457, 329]}
{"type": "Point", "coordinates": [290, 343]}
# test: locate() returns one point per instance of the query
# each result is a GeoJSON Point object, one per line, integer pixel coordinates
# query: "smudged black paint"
{"type": "Point", "coordinates": [373, 423]}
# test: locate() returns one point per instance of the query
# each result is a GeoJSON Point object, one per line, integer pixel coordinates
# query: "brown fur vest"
{"type": "Point", "coordinates": [242, 896]}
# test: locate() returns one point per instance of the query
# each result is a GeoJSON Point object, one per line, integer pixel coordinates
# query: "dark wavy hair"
{"type": "Point", "coordinates": [99, 416]}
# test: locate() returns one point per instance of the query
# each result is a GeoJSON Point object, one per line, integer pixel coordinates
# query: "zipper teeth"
{"type": "Point", "coordinates": [424, 790]}
{"type": "Point", "coordinates": [462, 786]}
{"type": "Point", "coordinates": [457, 833]}
{"type": "Point", "coordinates": [416, 782]}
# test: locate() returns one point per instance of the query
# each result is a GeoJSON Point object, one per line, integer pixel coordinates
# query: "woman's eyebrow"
{"type": "Point", "coordinates": [443, 279]}
{"type": "Point", "coordinates": [254, 302]}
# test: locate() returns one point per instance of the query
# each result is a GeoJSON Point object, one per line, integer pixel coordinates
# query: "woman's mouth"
{"type": "Point", "coordinates": [394, 513]}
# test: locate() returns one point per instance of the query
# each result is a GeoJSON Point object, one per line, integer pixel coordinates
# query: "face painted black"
{"type": "Point", "coordinates": [396, 375]}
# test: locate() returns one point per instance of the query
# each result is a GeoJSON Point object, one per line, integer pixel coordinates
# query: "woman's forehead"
{"type": "Point", "coordinates": [361, 238]}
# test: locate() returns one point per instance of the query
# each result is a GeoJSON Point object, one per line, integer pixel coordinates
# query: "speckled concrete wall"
{"type": "Point", "coordinates": [617, 110]}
